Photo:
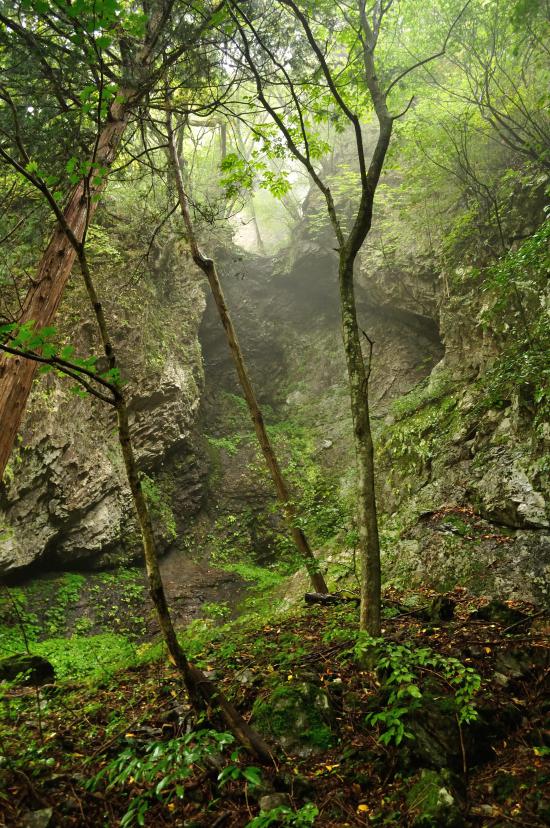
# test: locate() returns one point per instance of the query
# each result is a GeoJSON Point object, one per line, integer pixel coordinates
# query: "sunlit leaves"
{"type": "Point", "coordinates": [239, 174]}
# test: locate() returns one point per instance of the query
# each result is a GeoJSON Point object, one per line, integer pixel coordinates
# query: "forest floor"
{"type": "Point", "coordinates": [298, 676]}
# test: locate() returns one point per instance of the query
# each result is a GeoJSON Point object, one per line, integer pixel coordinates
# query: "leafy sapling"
{"type": "Point", "coordinates": [404, 669]}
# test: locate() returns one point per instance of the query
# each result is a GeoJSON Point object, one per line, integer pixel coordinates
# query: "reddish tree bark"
{"type": "Point", "coordinates": [54, 269]}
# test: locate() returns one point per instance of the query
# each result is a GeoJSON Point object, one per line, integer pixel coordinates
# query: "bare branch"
{"type": "Point", "coordinates": [351, 116]}
{"type": "Point", "coordinates": [40, 185]}
{"type": "Point", "coordinates": [404, 111]}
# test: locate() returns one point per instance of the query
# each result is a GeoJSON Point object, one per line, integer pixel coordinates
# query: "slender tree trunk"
{"type": "Point", "coordinates": [223, 141]}
{"type": "Point", "coordinates": [367, 515]}
{"type": "Point", "coordinates": [259, 241]}
{"type": "Point", "coordinates": [202, 692]}
{"type": "Point", "coordinates": [209, 269]}
{"type": "Point", "coordinates": [367, 520]}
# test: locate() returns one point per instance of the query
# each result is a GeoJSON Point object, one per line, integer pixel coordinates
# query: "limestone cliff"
{"type": "Point", "coordinates": [462, 480]}
{"type": "Point", "coordinates": [64, 501]}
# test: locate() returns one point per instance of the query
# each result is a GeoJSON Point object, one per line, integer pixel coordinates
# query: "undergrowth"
{"type": "Point", "coordinates": [149, 760]}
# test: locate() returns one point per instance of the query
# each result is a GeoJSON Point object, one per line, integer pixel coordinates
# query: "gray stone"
{"type": "Point", "coordinates": [436, 741]}
{"type": "Point", "coordinates": [38, 819]}
{"type": "Point", "coordinates": [509, 496]}
{"type": "Point", "coordinates": [246, 676]}
{"type": "Point", "coordinates": [274, 800]}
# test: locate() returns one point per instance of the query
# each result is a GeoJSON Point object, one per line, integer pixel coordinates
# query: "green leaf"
{"type": "Point", "coordinates": [67, 352]}
{"type": "Point", "coordinates": [103, 42]}
{"type": "Point", "coordinates": [253, 775]}
{"type": "Point", "coordinates": [414, 691]}
{"type": "Point", "coordinates": [48, 351]}
{"type": "Point", "coordinates": [219, 17]}
{"type": "Point", "coordinates": [162, 785]}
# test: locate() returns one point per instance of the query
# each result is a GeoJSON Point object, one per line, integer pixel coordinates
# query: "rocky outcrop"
{"type": "Point", "coordinates": [440, 447]}
{"type": "Point", "coordinates": [64, 501]}
{"type": "Point", "coordinates": [457, 446]}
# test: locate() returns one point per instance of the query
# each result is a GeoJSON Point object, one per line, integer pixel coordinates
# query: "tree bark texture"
{"type": "Point", "coordinates": [367, 515]}
{"type": "Point", "coordinates": [367, 521]}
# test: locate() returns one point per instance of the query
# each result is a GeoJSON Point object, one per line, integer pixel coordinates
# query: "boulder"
{"type": "Point", "coordinates": [27, 669]}
{"type": "Point", "coordinates": [275, 800]}
{"type": "Point", "coordinates": [38, 819]}
{"type": "Point", "coordinates": [298, 714]}
{"type": "Point", "coordinates": [433, 802]}
{"type": "Point", "coordinates": [436, 742]}
{"type": "Point", "coordinates": [500, 613]}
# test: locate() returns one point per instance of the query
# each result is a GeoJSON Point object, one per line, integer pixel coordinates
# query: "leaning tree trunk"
{"type": "Point", "coordinates": [203, 693]}
{"type": "Point", "coordinates": [318, 582]}
{"type": "Point", "coordinates": [42, 300]}
{"type": "Point", "coordinates": [209, 269]}
{"type": "Point", "coordinates": [54, 268]}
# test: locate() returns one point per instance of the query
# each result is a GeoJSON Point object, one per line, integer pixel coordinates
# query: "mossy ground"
{"type": "Point", "coordinates": [83, 623]}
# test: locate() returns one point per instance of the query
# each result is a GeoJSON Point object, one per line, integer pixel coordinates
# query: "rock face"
{"type": "Point", "coordinates": [64, 501]}
{"type": "Point", "coordinates": [27, 669]}
{"type": "Point", "coordinates": [443, 454]}
{"type": "Point", "coordinates": [436, 455]}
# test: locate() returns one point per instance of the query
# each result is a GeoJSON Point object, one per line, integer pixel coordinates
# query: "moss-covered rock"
{"type": "Point", "coordinates": [298, 714]}
{"type": "Point", "coordinates": [433, 803]}
{"type": "Point", "coordinates": [26, 669]}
